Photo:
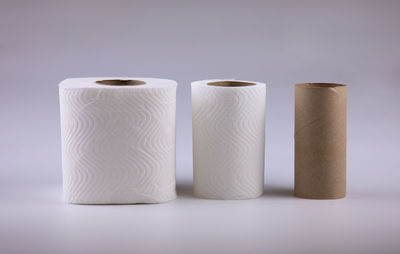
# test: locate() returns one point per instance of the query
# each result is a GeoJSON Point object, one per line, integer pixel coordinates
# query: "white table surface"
{"type": "Point", "coordinates": [36, 220]}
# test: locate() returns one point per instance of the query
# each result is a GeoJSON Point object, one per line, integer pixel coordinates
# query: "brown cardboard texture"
{"type": "Point", "coordinates": [320, 140]}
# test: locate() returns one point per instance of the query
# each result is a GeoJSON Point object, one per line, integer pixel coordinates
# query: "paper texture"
{"type": "Point", "coordinates": [320, 140]}
{"type": "Point", "coordinates": [118, 140]}
{"type": "Point", "coordinates": [228, 139]}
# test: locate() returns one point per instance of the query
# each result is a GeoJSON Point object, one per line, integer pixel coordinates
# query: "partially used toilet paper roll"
{"type": "Point", "coordinates": [118, 140]}
{"type": "Point", "coordinates": [228, 138]}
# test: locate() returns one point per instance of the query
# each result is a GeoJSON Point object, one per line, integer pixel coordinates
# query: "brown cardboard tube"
{"type": "Point", "coordinates": [120, 82]}
{"type": "Point", "coordinates": [320, 140]}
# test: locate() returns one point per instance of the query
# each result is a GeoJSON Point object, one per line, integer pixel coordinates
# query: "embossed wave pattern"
{"type": "Point", "coordinates": [118, 145]}
{"type": "Point", "coordinates": [228, 136]}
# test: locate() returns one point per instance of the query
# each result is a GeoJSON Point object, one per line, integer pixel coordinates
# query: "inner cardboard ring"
{"type": "Point", "coordinates": [230, 83]}
{"type": "Point", "coordinates": [120, 82]}
{"type": "Point", "coordinates": [319, 85]}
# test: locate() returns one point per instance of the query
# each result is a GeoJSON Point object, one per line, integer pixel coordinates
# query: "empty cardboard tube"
{"type": "Point", "coordinates": [320, 140]}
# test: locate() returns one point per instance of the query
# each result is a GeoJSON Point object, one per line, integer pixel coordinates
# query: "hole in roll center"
{"type": "Point", "coordinates": [320, 85]}
{"type": "Point", "coordinates": [230, 83]}
{"type": "Point", "coordinates": [120, 82]}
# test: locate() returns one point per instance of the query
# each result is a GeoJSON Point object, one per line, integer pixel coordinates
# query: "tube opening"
{"type": "Point", "coordinates": [120, 82]}
{"type": "Point", "coordinates": [230, 83]}
{"type": "Point", "coordinates": [319, 85]}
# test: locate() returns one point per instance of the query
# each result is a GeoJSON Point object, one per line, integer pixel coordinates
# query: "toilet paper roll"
{"type": "Point", "coordinates": [118, 140]}
{"type": "Point", "coordinates": [228, 138]}
{"type": "Point", "coordinates": [320, 140]}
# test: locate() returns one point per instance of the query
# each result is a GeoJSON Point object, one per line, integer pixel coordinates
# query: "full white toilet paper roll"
{"type": "Point", "coordinates": [118, 140]}
{"type": "Point", "coordinates": [228, 138]}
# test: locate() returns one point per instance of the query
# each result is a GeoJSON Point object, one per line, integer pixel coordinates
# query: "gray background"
{"type": "Point", "coordinates": [277, 42]}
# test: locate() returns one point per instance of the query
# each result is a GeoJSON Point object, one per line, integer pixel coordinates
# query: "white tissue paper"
{"type": "Point", "coordinates": [118, 140]}
{"type": "Point", "coordinates": [228, 138]}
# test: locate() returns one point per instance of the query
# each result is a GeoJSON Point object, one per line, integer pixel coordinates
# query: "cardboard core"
{"type": "Point", "coordinates": [230, 83]}
{"type": "Point", "coordinates": [120, 82]}
{"type": "Point", "coordinates": [320, 140]}
{"type": "Point", "coordinates": [319, 85]}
